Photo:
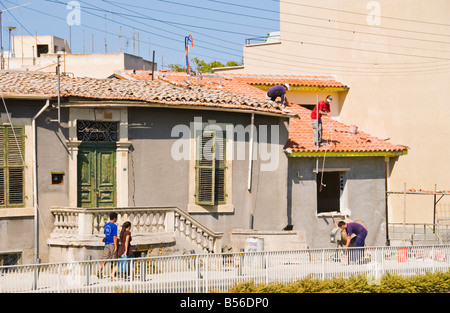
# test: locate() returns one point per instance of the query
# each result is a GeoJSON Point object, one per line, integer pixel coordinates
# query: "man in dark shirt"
{"type": "Point", "coordinates": [354, 228]}
{"type": "Point", "coordinates": [361, 233]}
{"type": "Point", "coordinates": [279, 91]}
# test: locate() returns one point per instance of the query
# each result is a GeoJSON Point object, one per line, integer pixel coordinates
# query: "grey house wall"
{"type": "Point", "coordinates": [17, 227]}
{"type": "Point", "coordinates": [364, 195]}
{"type": "Point", "coordinates": [156, 179]}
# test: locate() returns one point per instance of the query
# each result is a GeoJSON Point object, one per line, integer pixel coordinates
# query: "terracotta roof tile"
{"type": "Point", "coordinates": [292, 80]}
{"type": "Point", "coordinates": [242, 83]}
{"type": "Point", "coordinates": [337, 135]}
{"type": "Point", "coordinates": [301, 139]}
{"type": "Point", "coordinates": [158, 91]}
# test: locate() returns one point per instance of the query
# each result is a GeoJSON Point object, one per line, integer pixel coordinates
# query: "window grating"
{"type": "Point", "coordinates": [97, 131]}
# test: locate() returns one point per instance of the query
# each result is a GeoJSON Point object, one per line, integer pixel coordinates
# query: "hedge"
{"type": "Point", "coordinates": [389, 283]}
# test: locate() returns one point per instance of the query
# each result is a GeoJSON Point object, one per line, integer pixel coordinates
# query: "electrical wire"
{"type": "Point", "coordinates": [315, 65]}
{"type": "Point", "coordinates": [297, 33]}
{"type": "Point", "coordinates": [332, 20]}
{"type": "Point", "coordinates": [367, 50]}
{"type": "Point", "coordinates": [359, 13]}
{"type": "Point", "coordinates": [304, 24]}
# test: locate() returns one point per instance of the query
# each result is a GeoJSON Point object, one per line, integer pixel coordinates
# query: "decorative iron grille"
{"type": "Point", "coordinates": [97, 131]}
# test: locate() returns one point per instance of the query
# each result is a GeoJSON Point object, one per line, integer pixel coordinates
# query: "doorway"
{"type": "Point", "coordinates": [97, 174]}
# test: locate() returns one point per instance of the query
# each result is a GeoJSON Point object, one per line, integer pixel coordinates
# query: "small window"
{"type": "Point", "coordinates": [42, 49]}
{"type": "Point", "coordinates": [10, 259]}
{"type": "Point", "coordinates": [57, 179]}
{"type": "Point", "coordinates": [330, 186]}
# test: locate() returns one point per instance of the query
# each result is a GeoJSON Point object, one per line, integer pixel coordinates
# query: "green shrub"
{"type": "Point", "coordinates": [389, 283]}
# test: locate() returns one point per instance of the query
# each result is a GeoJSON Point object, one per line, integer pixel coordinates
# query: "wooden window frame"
{"type": "Point", "coordinates": [11, 158]}
{"type": "Point", "coordinates": [212, 192]}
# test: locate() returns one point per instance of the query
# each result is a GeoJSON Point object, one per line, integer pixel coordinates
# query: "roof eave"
{"type": "Point", "coordinates": [303, 88]}
{"type": "Point", "coordinates": [347, 153]}
{"type": "Point", "coordinates": [28, 97]}
{"type": "Point", "coordinates": [133, 103]}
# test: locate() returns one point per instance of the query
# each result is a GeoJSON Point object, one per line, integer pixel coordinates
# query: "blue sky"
{"type": "Point", "coordinates": [218, 27]}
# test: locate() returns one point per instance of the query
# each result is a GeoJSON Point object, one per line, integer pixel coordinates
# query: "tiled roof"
{"type": "Point", "coordinates": [211, 80]}
{"type": "Point", "coordinates": [242, 83]}
{"type": "Point", "coordinates": [339, 139]}
{"type": "Point", "coordinates": [301, 143]}
{"type": "Point", "coordinates": [161, 92]}
{"type": "Point", "coordinates": [322, 82]}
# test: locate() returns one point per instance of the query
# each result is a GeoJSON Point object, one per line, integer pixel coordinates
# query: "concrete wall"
{"type": "Point", "coordinates": [96, 65]}
{"type": "Point", "coordinates": [147, 169]}
{"type": "Point", "coordinates": [394, 56]}
{"type": "Point", "coordinates": [363, 197]}
{"type": "Point", "coordinates": [17, 223]}
{"type": "Point", "coordinates": [26, 46]}
{"type": "Point", "coordinates": [156, 179]}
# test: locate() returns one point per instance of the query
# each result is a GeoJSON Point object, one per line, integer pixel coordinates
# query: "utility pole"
{"type": "Point", "coordinates": [10, 28]}
{"type": "Point", "coordinates": [2, 66]}
{"type": "Point", "coordinates": [106, 43]}
{"type": "Point", "coordinates": [120, 40]}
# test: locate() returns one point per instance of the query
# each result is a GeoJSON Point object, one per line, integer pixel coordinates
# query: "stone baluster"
{"type": "Point", "coordinates": [161, 222]}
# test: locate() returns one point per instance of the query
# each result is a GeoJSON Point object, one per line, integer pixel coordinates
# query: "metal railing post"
{"type": "Point", "coordinates": [88, 270]}
{"type": "Point", "coordinates": [432, 258]}
{"type": "Point", "coordinates": [36, 274]}
{"type": "Point", "coordinates": [143, 278]}
{"type": "Point", "coordinates": [241, 262]}
{"type": "Point", "coordinates": [323, 263]}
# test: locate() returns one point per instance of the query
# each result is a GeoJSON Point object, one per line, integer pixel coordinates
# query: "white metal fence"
{"type": "Point", "coordinates": [217, 272]}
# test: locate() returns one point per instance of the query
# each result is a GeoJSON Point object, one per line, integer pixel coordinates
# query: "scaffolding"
{"type": "Point", "coordinates": [437, 196]}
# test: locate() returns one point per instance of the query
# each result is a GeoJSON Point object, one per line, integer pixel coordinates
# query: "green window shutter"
{"type": "Point", "coordinates": [15, 146]}
{"type": "Point", "coordinates": [210, 168]}
{"type": "Point", "coordinates": [2, 187]}
{"type": "Point", "coordinates": [2, 169]}
{"type": "Point", "coordinates": [11, 166]}
{"type": "Point", "coordinates": [220, 178]}
{"type": "Point", "coordinates": [205, 168]}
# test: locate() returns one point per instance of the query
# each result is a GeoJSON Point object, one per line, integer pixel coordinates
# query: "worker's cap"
{"type": "Point", "coordinates": [330, 98]}
{"type": "Point", "coordinates": [287, 86]}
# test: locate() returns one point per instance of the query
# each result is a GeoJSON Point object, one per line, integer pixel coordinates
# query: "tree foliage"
{"type": "Point", "coordinates": [201, 66]}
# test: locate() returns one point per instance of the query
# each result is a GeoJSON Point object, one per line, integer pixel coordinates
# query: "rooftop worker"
{"type": "Point", "coordinates": [324, 109]}
{"type": "Point", "coordinates": [279, 91]}
{"type": "Point", "coordinates": [361, 233]}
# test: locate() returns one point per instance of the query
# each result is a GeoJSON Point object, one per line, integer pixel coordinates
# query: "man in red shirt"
{"type": "Point", "coordinates": [324, 109]}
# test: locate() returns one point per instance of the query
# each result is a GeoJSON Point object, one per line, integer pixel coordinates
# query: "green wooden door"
{"type": "Point", "coordinates": [97, 175]}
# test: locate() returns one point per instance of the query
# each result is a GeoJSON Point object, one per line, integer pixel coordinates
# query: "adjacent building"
{"type": "Point", "coordinates": [394, 56]}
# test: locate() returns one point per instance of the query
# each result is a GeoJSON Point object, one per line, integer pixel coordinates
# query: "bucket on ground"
{"type": "Point", "coordinates": [254, 244]}
{"type": "Point", "coordinates": [402, 254]}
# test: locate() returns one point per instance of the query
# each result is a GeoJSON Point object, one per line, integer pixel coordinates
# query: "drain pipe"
{"type": "Point", "coordinates": [250, 156]}
{"type": "Point", "coordinates": [250, 164]}
{"type": "Point", "coordinates": [35, 201]}
{"type": "Point", "coordinates": [58, 73]}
